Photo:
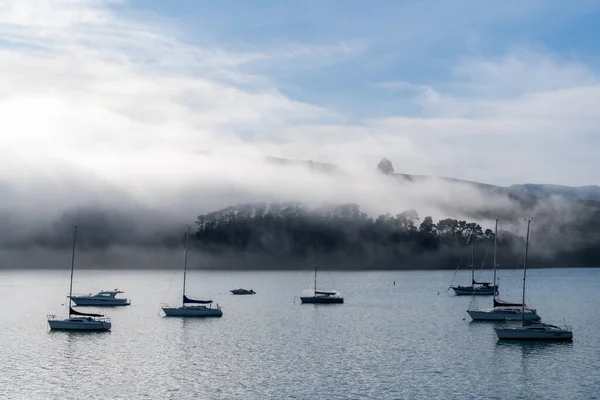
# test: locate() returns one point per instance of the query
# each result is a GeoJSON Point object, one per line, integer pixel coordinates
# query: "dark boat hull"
{"type": "Point", "coordinates": [474, 291]}
{"type": "Point", "coordinates": [322, 300]}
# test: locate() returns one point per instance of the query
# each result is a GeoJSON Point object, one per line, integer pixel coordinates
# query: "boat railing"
{"type": "Point", "coordinates": [567, 328]}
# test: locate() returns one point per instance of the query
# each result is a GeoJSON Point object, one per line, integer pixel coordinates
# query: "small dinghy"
{"type": "Point", "coordinates": [242, 291]}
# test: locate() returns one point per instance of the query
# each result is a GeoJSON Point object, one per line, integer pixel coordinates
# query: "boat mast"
{"type": "Point", "coordinates": [525, 270]}
{"type": "Point", "coordinates": [187, 240]}
{"type": "Point", "coordinates": [495, 244]}
{"type": "Point", "coordinates": [72, 266]}
{"type": "Point", "coordinates": [316, 264]}
{"type": "Point", "coordinates": [472, 257]}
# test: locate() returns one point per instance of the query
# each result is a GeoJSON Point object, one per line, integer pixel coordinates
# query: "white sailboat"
{"type": "Point", "coordinates": [104, 298]}
{"type": "Point", "coordinates": [502, 310]}
{"type": "Point", "coordinates": [192, 307]}
{"type": "Point", "coordinates": [531, 330]}
{"type": "Point", "coordinates": [78, 321]}
{"type": "Point", "coordinates": [476, 288]}
{"type": "Point", "coordinates": [316, 296]}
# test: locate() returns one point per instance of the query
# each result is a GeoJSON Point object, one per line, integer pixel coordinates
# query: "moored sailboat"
{"type": "Point", "coordinates": [316, 296]}
{"type": "Point", "coordinates": [78, 321]}
{"type": "Point", "coordinates": [192, 307]}
{"type": "Point", "coordinates": [532, 330]}
{"type": "Point", "coordinates": [502, 310]}
{"type": "Point", "coordinates": [476, 288]}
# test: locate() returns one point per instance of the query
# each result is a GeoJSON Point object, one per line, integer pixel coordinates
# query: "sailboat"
{"type": "Point", "coordinates": [192, 307]}
{"type": "Point", "coordinates": [78, 321]}
{"type": "Point", "coordinates": [316, 296]}
{"type": "Point", "coordinates": [476, 288]}
{"type": "Point", "coordinates": [532, 330]}
{"type": "Point", "coordinates": [502, 310]}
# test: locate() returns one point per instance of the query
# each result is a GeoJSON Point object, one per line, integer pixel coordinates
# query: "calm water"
{"type": "Point", "coordinates": [402, 341]}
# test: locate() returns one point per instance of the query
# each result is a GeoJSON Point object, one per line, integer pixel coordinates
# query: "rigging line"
{"type": "Point", "coordinates": [169, 287]}
{"type": "Point", "coordinates": [487, 250]}
{"type": "Point", "coordinates": [455, 272]}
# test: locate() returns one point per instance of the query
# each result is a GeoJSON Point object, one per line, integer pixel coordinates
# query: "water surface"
{"type": "Point", "coordinates": [411, 340]}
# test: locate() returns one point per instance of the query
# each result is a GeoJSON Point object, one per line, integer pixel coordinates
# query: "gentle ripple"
{"type": "Point", "coordinates": [405, 341]}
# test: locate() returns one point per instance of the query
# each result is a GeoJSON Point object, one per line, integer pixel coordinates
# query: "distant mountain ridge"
{"type": "Point", "coordinates": [591, 192]}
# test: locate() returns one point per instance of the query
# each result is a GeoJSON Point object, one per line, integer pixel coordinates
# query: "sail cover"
{"type": "Point", "coordinates": [502, 303]}
{"type": "Point", "coordinates": [73, 312]}
{"type": "Point", "coordinates": [188, 300]}
{"type": "Point", "coordinates": [325, 293]}
{"type": "Point", "coordinates": [481, 283]}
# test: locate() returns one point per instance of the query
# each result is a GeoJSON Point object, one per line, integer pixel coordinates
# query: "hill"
{"type": "Point", "coordinates": [591, 192]}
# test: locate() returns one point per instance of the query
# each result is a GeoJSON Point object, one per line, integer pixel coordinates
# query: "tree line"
{"type": "Point", "coordinates": [344, 231]}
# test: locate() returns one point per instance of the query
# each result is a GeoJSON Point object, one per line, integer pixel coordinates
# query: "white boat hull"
{"type": "Point", "coordinates": [195, 311]}
{"type": "Point", "coordinates": [534, 332]}
{"type": "Point", "coordinates": [502, 314]}
{"type": "Point", "coordinates": [90, 301]}
{"type": "Point", "coordinates": [80, 324]}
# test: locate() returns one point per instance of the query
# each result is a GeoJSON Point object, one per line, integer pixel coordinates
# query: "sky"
{"type": "Point", "coordinates": [498, 92]}
{"type": "Point", "coordinates": [118, 102]}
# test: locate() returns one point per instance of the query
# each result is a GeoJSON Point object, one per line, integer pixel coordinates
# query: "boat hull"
{"type": "Point", "coordinates": [540, 332]}
{"type": "Point", "coordinates": [89, 301]}
{"type": "Point", "coordinates": [242, 292]}
{"type": "Point", "coordinates": [198, 312]}
{"type": "Point", "coordinates": [476, 291]}
{"type": "Point", "coordinates": [79, 324]}
{"type": "Point", "coordinates": [322, 300]}
{"type": "Point", "coordinates": [502, 315]}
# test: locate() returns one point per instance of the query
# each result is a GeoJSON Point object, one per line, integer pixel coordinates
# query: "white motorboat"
{"type": "Point", "coordinates": [502, 310]}
{"type": "Point", "coordinates": [78, 321]}
{"type": "Point", "coordinates": [316, 296]}
{"type": "Point", "coordinates": [529, 330]}
{"type": "Point", "coordinates": [103, 298]}
{"type": "Point", "coordinates": [192, 307]}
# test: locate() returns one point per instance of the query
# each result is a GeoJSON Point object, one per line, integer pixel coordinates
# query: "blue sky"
{"type": "Point", "coordinates": [416, 41]}
{"type": "Point", "coordinates": [499, 92]}
{"type": "Point", "coordinates": [388, 41]}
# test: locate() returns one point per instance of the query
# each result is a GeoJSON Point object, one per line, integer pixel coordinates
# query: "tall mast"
{"type": "Point", "coordinates": [495, 264]}
{"type": "Point", "coordinates": [187, 240]}
{"type": "Point", "coordinates": [473, 256]}
{"type": "Point", "coordinates": [316, 264]}
{"type": "Point", "coordinates": [72, 266]}
{"type": "Point", "coordinates": [525, 270]}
